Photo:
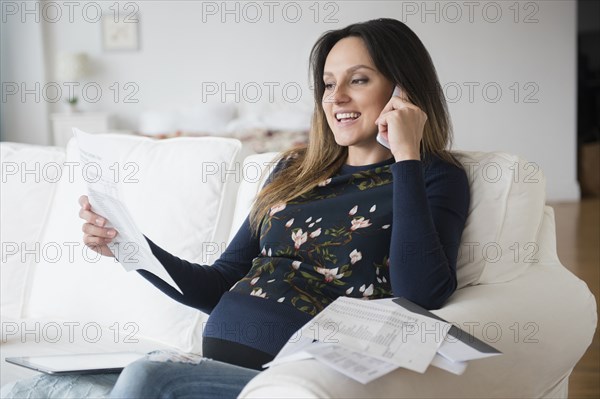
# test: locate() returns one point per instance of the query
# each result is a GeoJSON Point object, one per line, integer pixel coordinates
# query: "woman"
{"type": "Point", "coordinates": [342, 216]}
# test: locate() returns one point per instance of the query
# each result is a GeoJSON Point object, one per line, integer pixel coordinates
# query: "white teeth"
{"type": "Point", "coordinates": [346, 115]}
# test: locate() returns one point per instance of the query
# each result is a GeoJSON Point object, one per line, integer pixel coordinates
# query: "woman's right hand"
{"type": "Point", "coordinates": [95, 236]}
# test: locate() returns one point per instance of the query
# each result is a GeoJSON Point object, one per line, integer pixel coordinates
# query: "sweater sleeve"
{"type": "Point", "coordinates": [431, 205]}
{"type": "Point", "coordinates": [203, 285]}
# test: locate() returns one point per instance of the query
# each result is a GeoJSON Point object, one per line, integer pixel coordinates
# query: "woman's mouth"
{"type": "Point", "coordinates": [346, 118]}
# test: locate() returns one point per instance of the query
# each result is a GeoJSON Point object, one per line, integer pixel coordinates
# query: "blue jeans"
{"type": "Point", "coordinates": [164, 375]}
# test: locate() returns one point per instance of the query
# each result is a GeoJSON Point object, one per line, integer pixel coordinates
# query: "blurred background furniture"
{"type": "Point", "coordinates": [63, 123]}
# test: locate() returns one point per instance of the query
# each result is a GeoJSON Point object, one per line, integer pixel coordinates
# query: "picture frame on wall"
{"type": "Point", "coordinates": [122, 35]}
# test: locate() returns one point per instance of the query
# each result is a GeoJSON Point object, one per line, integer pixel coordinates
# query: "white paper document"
{"type": "Point", "coordinates": [354, 364]}
{"type": "Point", "coordinates": [441, 362]}
{"type": "Point", "coordinates": [392, 334]}
{"type": "Point", "coordinates": [129, 246]}
{"type": "Point", "coordinates": [357, 365]}
{"type": "Point", "coordinates": [458, 351]}
{"type": "Point", "coordinates": [364, 340]}
{"type": "Point", "coordinates": [458, 346]}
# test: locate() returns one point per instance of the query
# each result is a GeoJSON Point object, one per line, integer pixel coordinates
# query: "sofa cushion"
{"type": "Point", "coordinates": [29, 180]}
{"type": "Point", "coordinates": [508, 195]}
{"type": "Point", "coordinates": [255, 170]}
{"type": "Point", "coordinates": [174, 191]}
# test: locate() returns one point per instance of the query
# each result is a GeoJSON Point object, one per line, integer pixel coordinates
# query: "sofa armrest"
{"type": "Point", "coordinates": [543, 322]}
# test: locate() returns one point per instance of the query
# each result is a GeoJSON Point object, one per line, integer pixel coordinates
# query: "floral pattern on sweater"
{"type": "Point", "coordinates": [331, 241]}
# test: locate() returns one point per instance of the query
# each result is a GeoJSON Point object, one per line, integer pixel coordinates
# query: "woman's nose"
{"type": "Point", "coordinates": [338, 96]}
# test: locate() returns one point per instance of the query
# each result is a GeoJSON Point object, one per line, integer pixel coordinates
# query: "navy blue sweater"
{"type": "Point", "coordinates": [373, 231]}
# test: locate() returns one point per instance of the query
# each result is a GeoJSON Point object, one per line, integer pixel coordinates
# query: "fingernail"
{"type": "Point", "coordinates": [111, 233]}
{"type": "Point", "coordinates": [99, 222]}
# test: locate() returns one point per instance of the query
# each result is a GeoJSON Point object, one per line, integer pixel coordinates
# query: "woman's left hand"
{"type": "Point", "coordinates": [402, 124]}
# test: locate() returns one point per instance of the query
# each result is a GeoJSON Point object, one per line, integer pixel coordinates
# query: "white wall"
{"type": "Point", "coordinates": [24, 114]}
{"type": "Point", "coordinates": [184, 48]}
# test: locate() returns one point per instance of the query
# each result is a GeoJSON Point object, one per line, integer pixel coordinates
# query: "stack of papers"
{"type": "Point", "coordinates": [367, 339]}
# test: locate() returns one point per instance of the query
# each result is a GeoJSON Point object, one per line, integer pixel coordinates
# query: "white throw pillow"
{"type": "Point", "coordinates": [174, 191]}
{"type": "Point", "coordinates": [255, 170]}
{"type": "Point", "coordinates": [508, 195]}
{"type": "Point", "coordinates": [29, 179]}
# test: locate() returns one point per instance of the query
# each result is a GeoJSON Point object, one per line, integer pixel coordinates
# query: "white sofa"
{"type": "Point", "coordinates": [190, 195]}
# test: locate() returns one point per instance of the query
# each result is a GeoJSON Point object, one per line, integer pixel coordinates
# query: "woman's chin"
{"type": "Point", "coordinates": [343, 142]}
{"type": "Point", "coordinates": [344, 139]}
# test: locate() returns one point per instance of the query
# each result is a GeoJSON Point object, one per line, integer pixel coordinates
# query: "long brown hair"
{"type": "Point", "coordinates": [402, 58]}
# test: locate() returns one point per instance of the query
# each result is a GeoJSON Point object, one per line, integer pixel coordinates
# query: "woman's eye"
{"type": "Point", "coordinates": [328, 86]}
{"type": "Point", "coordinates": [360, 80]}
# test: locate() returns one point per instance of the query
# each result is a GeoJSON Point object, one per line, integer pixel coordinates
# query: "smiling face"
{"type": "Point", "coordinates": [355, 93]}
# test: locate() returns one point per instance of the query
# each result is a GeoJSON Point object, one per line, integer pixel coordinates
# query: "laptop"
{"type": "Point", "coordinates": [83, 363]}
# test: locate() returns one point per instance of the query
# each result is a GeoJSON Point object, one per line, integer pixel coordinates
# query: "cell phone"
{"type": "Point", "coordinates": [380, 139]}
